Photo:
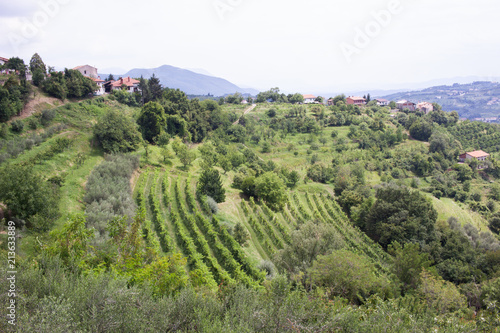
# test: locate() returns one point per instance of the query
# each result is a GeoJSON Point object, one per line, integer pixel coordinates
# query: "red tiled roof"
{"type": "Point", "coordinates": [125, 81]}
{"type": "Point", "coordinates": [309, 96]}
{"type": "Point", "coordinates": [4, 59]}
{"type": "Point", "coordinates": [478, 153]}
{"type": "Point", "coordinates": [97, 80]}
{"type": "Point", "coordinates": [356, 98]}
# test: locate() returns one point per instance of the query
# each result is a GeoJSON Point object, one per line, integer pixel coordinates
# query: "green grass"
{"type": "Point", "coordinates": [447, 208]}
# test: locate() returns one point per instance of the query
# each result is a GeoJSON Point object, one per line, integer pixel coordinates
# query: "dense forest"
{"type": "Point", "coordinates": [153, 212]}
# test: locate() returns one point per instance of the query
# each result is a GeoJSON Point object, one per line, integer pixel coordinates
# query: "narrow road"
{"type": "Point", "coordinates": [248, 109]}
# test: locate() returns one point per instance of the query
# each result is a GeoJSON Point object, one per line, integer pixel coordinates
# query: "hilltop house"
{"type": "Point", "coordinates": [355, 100]}
{"type": "Point", "coordinates": [425, 107]}
{"type": "Point", "coordinates": [478, 155]}
{"type": "Point", "coordinates": [87, 71]}
{"type": "Point", "coordinates": [132, 85]}
{"type": "Point", "coordinates": [309, 99]}
{"type": "Point", "coordinates": [3, 61]}
{"type": "Point", "coordinates": [382, 102]}
{"type": "Point", "coordinates": [404, 104]}
{"type": "Point", "coordinates": [100, 84]}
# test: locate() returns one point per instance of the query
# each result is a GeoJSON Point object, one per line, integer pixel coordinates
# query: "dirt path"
{"type": "Point", "coordinates": [247, 110]}
{"type": "Point", "coordinates": [36, 105]}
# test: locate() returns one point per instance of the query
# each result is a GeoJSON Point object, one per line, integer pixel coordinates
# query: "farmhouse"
{"type": "Point", "coordinates": [478, 155]}
{"type": "Point", "coordinates": [309, 99]}
{"type": "Point", "coordinates": [87, 71]}
{"type": "Point", "coordinates": [100, 84]}
{"type": "Point", "coordinates": [3, 61]}
{"type": "Point", "coordinates": [404, 104]}
{"type": "Point", "coordinates": [382, 102]}
{"type": "Point", "coordinates": [132, 85]}
{"type": "Point", "coordinates": [355, 100]}
{"type": "Point", "coordinates": [425, 107]}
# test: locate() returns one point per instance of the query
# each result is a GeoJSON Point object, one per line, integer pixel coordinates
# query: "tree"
{"type": "Point", "coordinates": [36, 62]}
{"type": "Point", "coordinates": [240, 234]}
{"type": "Point", "coordinates": [155, 89]}
{"type": "Point", "coordinates": [296, 98]}
{"type": "Point", "coordinates": [421, 130]}
{"type": "Point", "coordinates": [346, 274]}
{"type": "Point", "coordinates": [307, 243]}
{"type": "Point", "coordinates": [116, 132]}
{"type": "Point", "coordinates": [186, 155]}
{"type": "Point", "coordinates": [401, 214]}
{"type": "Point", "coordinates": [38, 77]}
{"type": "Point", "coordinates": [441, 295]}
{"type": "Point", "coordinates": [151, 121]}
{"type": "Point", "coordinates": [16, 64]}
{"type": "Point", "coordinates": [110, 77]}
{"type": "Point", "coordinates": [210, 184]}
{"type": "Point", "coordinates": [28, 196]}
{"type": "Point", "coordinates": [271, 189]}
{"type": "Point", "coordinates": [408, 264]}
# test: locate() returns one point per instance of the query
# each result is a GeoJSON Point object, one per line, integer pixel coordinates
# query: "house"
{"type": "Point", "coordinates": [478, 155]}
{"type": "Point", "coordinates": [100, 84]}
{"type": "Point", "coordinates": [132, 85]}
{"type": "Point", "coordinates": [355, 100]}
{"type": "Point", "coordinates": [404, 104]}
{"type": "Point", "coordinates": [309, 99]}
{"type": "Point", "coordinates": [3, 61]}
{"type": "Point", "coordinates": [382, 102]}
{"type": "Point", "coordinates": [329, 102]}
{"type": "Point", "coordinates": [425, 107]}
{"type": "Point", "coordinates": [87, 71]}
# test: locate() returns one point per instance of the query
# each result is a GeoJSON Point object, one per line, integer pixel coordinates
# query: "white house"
{"type": "Point", "coordinates": [3, 61]}
{"type": "Point", "coordinates": [382, 102]}
{"type": "Point", "coordinates": [100, 84]}
{"type": "Point", "coordinates": [87, 71]}
{"type": "Point", "coordinates": [478, 155]}
{"type": "Point", "coordinates": [309, 99]}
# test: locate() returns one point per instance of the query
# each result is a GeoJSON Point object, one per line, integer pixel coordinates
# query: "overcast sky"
{"type": "Point", "coordinates": [305, 46]}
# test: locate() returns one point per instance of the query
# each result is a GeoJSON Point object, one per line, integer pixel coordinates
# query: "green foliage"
{"type": "Point", "coordinates": [210, 184]}
{"type": "Point", "coordinates": [36, 63]}
{"type": "Point", "coordinates": [17, 126]}
{"type": "Point", "coordinates": [108, 192]}
{"type": "Point", "coordinates": [439, 294]}
{"type": "Point", "coordinates": [151, 121]}
{"type": "Point", "coordinates": [28, 196]}
{"type": "Point", "coordinates": [271, 189]}
{"type": "Point", "coordinates": [408, 263]}
{"type": "Point", "coordinates": [402, 215]}
{"type": "Point", "coordinates": [116, 133]}
{"type": "Point", "coordinates": [348, 275]}
{"type": "Point", "coordinates": [126, 97]}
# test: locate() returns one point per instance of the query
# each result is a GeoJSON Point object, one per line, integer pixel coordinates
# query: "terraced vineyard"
{"type": "Point", "coordinates": [180, 221]}
{"type": "Point", "coordinates": [177, 222]}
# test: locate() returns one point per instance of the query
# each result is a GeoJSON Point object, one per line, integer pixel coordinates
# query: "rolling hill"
{"type": "Point", "coordinates": [479, 99]}
{"type": "Point", "coordinates": [190, 82]}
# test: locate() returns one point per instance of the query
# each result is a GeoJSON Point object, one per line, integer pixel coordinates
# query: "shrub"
{"type": "Point", "coordinates": [47, 116]}
{"type": "Point", "coordinates": [212, 204]}
{"type": "Point", "coordinates": [17, 126]}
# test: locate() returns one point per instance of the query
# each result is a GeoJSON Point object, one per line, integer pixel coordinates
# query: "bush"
{"type": "Point", "coordinates": [33, 123]}
{"type": "Point", "coordinates": [47, 116]}
{"type": "Point", "coordinates": [17, 126]}
{"type": "Point", "coordinates": [117, 133]}
{"type": "Point", "coordinates": [212, 204]}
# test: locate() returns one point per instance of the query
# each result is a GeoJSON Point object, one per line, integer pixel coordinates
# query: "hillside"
{"type": "Point", "coordinates": [323, 214]}
{"type": "Point", "coordinates": [479, 99]}
{"type": "Point", "coordinates": [190, 82]}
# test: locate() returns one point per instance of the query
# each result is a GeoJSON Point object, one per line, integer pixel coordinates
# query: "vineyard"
{"type": "Point", "coordinates": [178, 220]}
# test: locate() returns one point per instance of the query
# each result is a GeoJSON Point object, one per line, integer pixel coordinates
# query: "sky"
{"type": "Point", "coordinates": [298, 46]}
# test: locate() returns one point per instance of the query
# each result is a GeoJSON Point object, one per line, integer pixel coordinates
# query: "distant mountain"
{"type": "Point", "coordinates": [480, 99]}
{"type": "Point", "coordinates": [190, 82]}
